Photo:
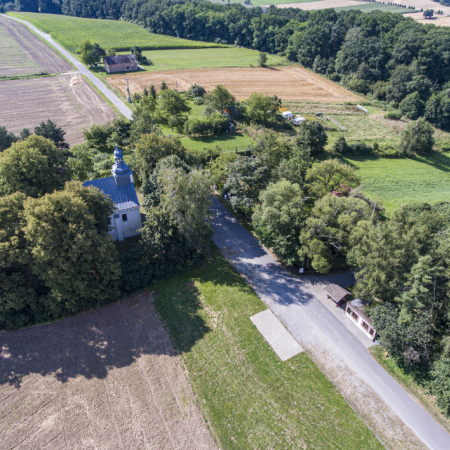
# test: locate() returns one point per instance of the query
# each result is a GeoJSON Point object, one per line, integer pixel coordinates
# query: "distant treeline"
{"type": "Point", "coordinates": [388, 56]}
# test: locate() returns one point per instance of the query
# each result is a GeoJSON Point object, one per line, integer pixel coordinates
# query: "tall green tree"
{"type": "Point", "coordinates": [50, 131]}
{"type": "Point", "coordinates": [417, 138]}
{"type": "Point", "coordinates": [261, 107]}
{"type": "Point", "coordinates": [313, 136]}
{"type": "Point", "coordinates": [246, 179]}
{"type": "Point", "coordinates": [278, 219]}
{"type": "Point", "coordinates": [33, 166]}
{"type": "Point", "coordinates": [171, 104]}
{"type": "Point", "coordinates": [220, 98]}
{"type": "Point", "coordinates": [6, 139]}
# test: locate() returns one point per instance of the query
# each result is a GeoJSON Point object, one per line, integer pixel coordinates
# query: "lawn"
{"type": "Point", "coordinates": [406, 180]}
{"type": "Point", "coordinates": [368, 7]}
{"type": "Point", "coordinates": [206, 57]}
{"type": "Point", "coordinates": [250, 398]}
{"type": "Point", "coordinates": [120, 35]}
{"type": "Point", "coordinates": [262, 2]}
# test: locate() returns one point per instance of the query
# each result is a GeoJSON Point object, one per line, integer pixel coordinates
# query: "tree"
{"type": "Point", "coordinates": [412, 106]}
{"type": "Point", "coordinates": [260, 107]}
{"type": "Point", "coordinates": [417, 138]}
{"type": "Point", "coordinates": [151, 148]}
{"type": "Point", "coordinates": [218, 168]}
{"type": "Point", "coordinates": [330, 175]}
{"type": "Point", "coordinates": [313, 136]}
{"type": "Point", "coordinates": [34, 167]}
{"type": "Point", "coordinates": [50, 131]}
{"type": "Point", "coordinates": [90, 54]}
{"type": "Point", "coordinates": [171, 104]}
{"type": "Point", "coordinates": [6, 139]}
{"type": "Point", "coordinates": [163, 86]}
{"type": "Point", "coordinates": [428, 13]}
{"type": "Point", "coordinates": [437, 110]}
{"type": "Point", "coordinates": [278, 219]}
{"type": "Point", "coordinates": [331, 230]}
{"type": "Point", "coordinates": [220, 98]}
{"type": "Point", "coordinates": [80, 164]}
{"type": "Point", "coordinates": [295, 167]}
{"type": "Point", "coordinates": [143, 117]}
{"type": "Point", "coordinates": [246, 179]}
{"type": "Point", "coordinates": [153, 91]}
{"type": "Point", "coordinates": [71, 250]}
{"type": "Point", "coordinates": [440, 384]}
{"type": "Point", "coordinates": [262, 59]}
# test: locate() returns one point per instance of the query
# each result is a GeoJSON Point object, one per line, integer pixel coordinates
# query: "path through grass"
{"type": "Point", "coordinates": [250, 398]}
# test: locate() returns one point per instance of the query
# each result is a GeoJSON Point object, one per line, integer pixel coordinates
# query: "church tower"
{"type": "Point", "coordinates": [120, 170]}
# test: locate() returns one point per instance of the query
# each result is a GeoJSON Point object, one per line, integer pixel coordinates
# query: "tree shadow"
{"type": "Point", "coordinates": [93, 343]}
{"type": "Point", "coordinates": [437, 160]}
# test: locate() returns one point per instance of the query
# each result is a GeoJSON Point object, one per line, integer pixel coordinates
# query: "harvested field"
{"type": "Point", "coordinates": [68, 100]}
{"type": "Point", "coordinates": [22, 53]}
{"type": "Point", "coordinates": [104, 379]}
{"type": "Point", "coordinates": [289, 83]}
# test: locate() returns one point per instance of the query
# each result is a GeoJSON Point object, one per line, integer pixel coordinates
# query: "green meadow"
{"type": "Point", "coordinates": [368, 7]}
{"type": "Point", "coordinates": [120, 35]}
{"type": "Point", "coordinates": [206, 57]}
{"type": "Point", "coordinates": [250, 399]}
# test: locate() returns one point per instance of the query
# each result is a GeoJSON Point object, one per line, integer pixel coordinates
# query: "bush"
{"type": "Point", "coordinates": [357, 148]}
{"type": "Point", "coordinates": [199, 101]}
{"type": "Point", "coordinates": [214, 124]}
{"type": "Point", "coordinates": [417, 138]}
{"type": "Point", "coordinates": [387, 150]}
{"type": "Point", "coordinates": [440, 386]}
{"type": "Point", "coordinates": [361, 86]}
{"type": "Point", "coordinates": [393, 115]}
{"type": "Point", "coordinates": [340, 146]}
{"type": "Point", "coordinates": [412, 106]}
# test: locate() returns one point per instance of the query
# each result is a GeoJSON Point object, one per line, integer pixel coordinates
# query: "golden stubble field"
{"type": "Point", "coordinates": [68, 100]}
{"type": "Point", "coordinates": [106, 379]}
{"type": "Point", "coordinates": [288, 83]}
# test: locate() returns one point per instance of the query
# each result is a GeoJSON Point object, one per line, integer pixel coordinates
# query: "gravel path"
{"type": "Point", "coordinates": [395, 418]}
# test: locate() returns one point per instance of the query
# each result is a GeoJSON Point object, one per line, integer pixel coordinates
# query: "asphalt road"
{"type": "Point", "coordinates": [81, 68]}
{"type": "Point", "coordinates": [310, 322]}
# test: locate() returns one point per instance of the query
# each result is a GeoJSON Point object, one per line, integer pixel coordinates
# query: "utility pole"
{"type": "Point", "coordinates": [128, 93]}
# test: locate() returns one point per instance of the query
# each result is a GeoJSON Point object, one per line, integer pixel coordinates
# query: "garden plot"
{"type": "Point", "coordinates": [104, 379]}
{"type": "Point", "coordinates": [22, 53]}
{"type": "Point", "coordinates": [288, 83]}
{"type": "Point", "coordinates": [68, 100]}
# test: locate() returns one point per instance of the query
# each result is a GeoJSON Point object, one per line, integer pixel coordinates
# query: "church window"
{"type": "Point", "coordinates": [124, 218]}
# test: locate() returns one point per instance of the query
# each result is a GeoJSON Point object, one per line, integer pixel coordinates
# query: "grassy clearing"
{"type": "Point", "coordinates": [120, 35]}
{"type": "Point", "coordinates": [206, 57]}
{"type": "Point", "coordinates": [249, 397]}
{"type": "Point", "coordinates": [404, 181]}
{"type": "Point", "coordinates": [368, 7]}
{"type": "Point", "coordinates": [420, 394]}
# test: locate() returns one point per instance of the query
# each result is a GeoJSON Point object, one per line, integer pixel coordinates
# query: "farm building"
{"type": "Point", "coordinates": [354, 310]}
{"type": "Point", "coordinates": [336, 293]}
{"type": "Point", "coordinates": [120, 63]}
{"type": "Point", "coordinates": [126, 220]}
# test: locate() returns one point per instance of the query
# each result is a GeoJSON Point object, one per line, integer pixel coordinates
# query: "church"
{"type": "Point", "coordinates": [126, 220]}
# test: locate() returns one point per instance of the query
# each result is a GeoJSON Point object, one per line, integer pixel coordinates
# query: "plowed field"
{"type": "Point", "coordinates": [68, 100]}
{"type": "Point", "coordinates": [289, 83]}
{"type": "Point", "coordinates": [23, 53]}
{"type": "Point", "coordinates": [107, 379]}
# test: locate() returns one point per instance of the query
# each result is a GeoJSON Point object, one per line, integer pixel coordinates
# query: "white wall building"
{"type": "Point", "coordinates": [126, 220]}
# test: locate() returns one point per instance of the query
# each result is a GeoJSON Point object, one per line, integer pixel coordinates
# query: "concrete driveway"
{"type": "Point", "coordinates": [395, 418]}
{"type": "Point", "coordinates": [82, 69]}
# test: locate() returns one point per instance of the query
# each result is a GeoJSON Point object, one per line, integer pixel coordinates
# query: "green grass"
{"type": "Point", "coordinates": [404, 181]}
{"type": "Point", "coordinates": [419, 393]}
{"type": "Point", "coordinates": [368, 7]}
{"type": "Point", "coordinates": [250, 398]}
{"type": "Point", "coordinates": [206, 57]}
{"type": "Point", "coordinates": [120, 35]}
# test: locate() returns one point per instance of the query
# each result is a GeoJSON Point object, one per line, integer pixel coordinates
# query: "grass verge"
{"type": "Point", "coordinates": [249, 397]}
{"type": "Point", "coordinates": [416, 391]}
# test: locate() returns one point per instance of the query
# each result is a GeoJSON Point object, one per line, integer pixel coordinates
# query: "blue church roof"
{"type": "Point", "coordinates": [123, 196]}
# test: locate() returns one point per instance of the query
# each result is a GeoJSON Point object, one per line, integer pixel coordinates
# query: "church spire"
{"type": "Point", "coordinates": [120, 170]}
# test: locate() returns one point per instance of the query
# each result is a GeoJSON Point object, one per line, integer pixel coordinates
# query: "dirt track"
{"type": "Point", "coordinates": [23, 53]}
{"type": "Point", "coordinates": [68, 100]}
{"type": "Point", "coordinates": [289, 83]}
{"type": "Point", "coordinates": [105, 379]}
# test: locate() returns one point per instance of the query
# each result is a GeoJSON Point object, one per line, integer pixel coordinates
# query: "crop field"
{"type": "Point", "coordinates": [105, 379]}
{"type": "Point", "coordinates": [206, 57]}
{"type": "Point", "coordinates": [22, 53]}
{"type": "Point", "coordinates": [72, 31]}
{"type": "Point", "coordinates": [68, 100]}
{"type": "Point", "coordinates": [288, 83]}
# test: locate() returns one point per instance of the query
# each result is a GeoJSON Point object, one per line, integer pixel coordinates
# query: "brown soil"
{"type": "Point", "coordinates": [68, 100]}
{"type": "Point", "coordinates": [104, 379]}
{"type": "Point", "coordinates": [289, 83]}
{"type": "Point", "coordinates": [23, 53]}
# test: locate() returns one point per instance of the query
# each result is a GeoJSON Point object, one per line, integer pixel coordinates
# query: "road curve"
{"type": "Point", "coordinates": [83, 70]}
{"type": "Point", "coordinates": [316, 328]}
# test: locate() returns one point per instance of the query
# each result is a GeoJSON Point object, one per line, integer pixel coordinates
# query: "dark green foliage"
{"type": "Point", "coordinates": [417, 138]}
{"type": "Point", "coordinates": [340, 146]}
{"type": "Point", "coordinates": [246, 179]}
{"type": "Point", "coordinates": [440, 385]}
{"type": "Point", "coordinates": [204, 126]}
{"type": "Point", "coordinates": [6, 139]}
{"type": "Point", "coordinates": [393, 115]}
{"type": "Point", "coordinates": [313, 136]}
{"type": "Point", "coordinates": [50, 131]}
{"type": "Point", "coordinates": [262, 59]}
{"type": "Point", "coordinates": [437, 110]}
{"type": "Point", "coordinates": [412, 106]}
{"type": "Point", "coordinates": [408, 343]}
{"type": "Point", "coordinates": [197, 91]}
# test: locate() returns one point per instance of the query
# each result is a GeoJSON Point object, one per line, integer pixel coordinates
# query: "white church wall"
{"type": "Point", "coordinates": [121, 228]}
